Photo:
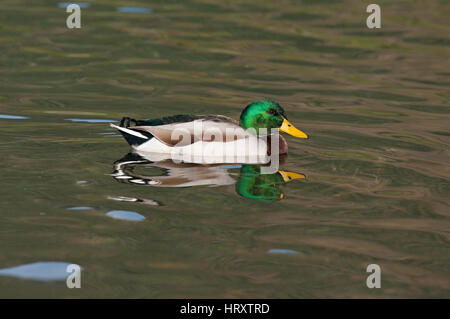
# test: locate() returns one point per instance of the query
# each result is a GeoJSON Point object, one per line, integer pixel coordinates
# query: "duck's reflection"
{"type": "Point", "coordinates": [250, 183]}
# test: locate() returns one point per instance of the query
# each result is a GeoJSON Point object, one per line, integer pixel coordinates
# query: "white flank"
{"type": "Point", "coordinates": [240, 151]}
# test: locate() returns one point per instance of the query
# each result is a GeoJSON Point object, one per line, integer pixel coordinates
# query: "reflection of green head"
{"type": "Point", "coordinates": [253, 184]}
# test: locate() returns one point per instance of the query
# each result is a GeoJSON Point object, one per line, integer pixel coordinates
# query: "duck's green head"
{"type": "Point", "coordinates": [268, 114]}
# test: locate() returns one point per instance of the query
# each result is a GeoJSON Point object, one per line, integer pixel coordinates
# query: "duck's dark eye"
{"type": "Point", "coordinates": [272, 112]}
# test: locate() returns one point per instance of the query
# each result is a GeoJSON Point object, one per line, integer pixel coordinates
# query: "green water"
{"type": "Point", "coordinates": [374, 102]}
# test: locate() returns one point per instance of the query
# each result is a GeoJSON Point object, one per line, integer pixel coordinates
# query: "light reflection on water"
{"type": "Point", "coordinates": [80, 4]}
{"type": "Point", "coordinates": [134, 10]}
{"type": "Point", "coordinates": [80, 208]}
{"type": "Point", "coordinates": [374, 102]}
{"type": "Point", "coordinates": [282, 251]}
{"type": "Point", "coordinates": [90, 120]}
{"type": "Point", "coordinates": [41, 271]}
{"type": "Point", "coordinates": [125, 215]}
{"type": "Point", "coordinates": [13, 117]}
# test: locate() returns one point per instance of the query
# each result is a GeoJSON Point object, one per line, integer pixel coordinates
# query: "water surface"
{"type": "Point", "coordinates": [375, 104]}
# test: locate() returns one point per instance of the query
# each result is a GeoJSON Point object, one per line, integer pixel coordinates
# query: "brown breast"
{"type": "Point", "coordinates": [282, 145]}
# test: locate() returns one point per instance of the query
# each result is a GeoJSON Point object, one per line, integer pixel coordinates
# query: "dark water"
{"type": "Point", "coordinates": [375, 103]}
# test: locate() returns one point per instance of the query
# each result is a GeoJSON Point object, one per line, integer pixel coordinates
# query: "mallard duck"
{"type": "Point", "coordinates": [212, 136]}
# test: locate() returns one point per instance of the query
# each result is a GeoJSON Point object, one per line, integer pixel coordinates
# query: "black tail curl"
{"type": "Point", "coordinates": [134, 139]}
{"type": "Point", "coordinates": [126, 121]}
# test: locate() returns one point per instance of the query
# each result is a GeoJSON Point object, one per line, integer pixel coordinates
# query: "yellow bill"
{"type": "Point", "coordinates": [290, 129]}
{"type": "Point", "coordinates": [290, 176]}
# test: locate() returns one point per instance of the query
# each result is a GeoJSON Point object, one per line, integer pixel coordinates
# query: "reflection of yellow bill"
{"type": "Point", "coordinates": [290, 176]}
{"type": "Point", "coordinates": [290, 129]}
